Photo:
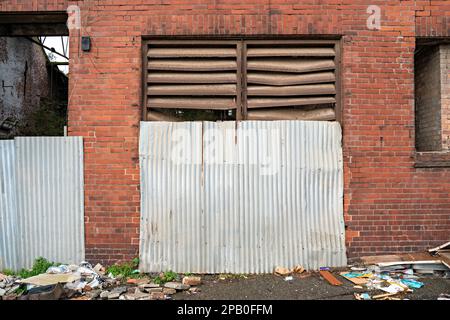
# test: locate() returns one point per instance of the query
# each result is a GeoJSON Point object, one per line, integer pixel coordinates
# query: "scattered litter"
{"type": "Point", "coordinates": [384, 296]}
{"type": "Point", "coordinates": [441, 247]}
{"type": "Point", "coordinates": [357, 269]}
{"type": "Point", "coordinates": [281, 271]}
{"type": "Point", "coordinates": [362, 296]}
{"type": "Point", "coordinates": [192, 290]}
{"type": "Point", "coordinates": [289, 278]}
{"type": "Point", "coordinates": [397, 275]}
{"type": "Point", "coordinates": [298, 269]}
{"type": "Point", "coordinates": [412, 283]}
{"type": "Point", "coordinates": [330, 278]}
{"type": "Point", "coordinates": [99, 269]}
{"type": "Point", "coordinates": [444, 296]}
{"type": "Point", "coordinates": [46, 279]}
{"type": "Point", "coordinates": [352, 278]}
{"type": "Point", "coordinates": [57, 270]}
{"type": "Point", "coordinates": [392, 288]}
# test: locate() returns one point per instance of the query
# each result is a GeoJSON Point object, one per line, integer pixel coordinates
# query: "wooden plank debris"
{"type": "Point", "coordinates": [330, 278]}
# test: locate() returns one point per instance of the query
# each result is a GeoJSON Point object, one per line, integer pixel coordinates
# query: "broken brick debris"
{"type": "Point", "coordinates": [192, 281]}
{"type": "Point", "coordinates": [84, 282]}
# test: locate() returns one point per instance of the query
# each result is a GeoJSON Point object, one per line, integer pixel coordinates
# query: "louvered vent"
{"type": "Point", "coordinates": [184, 77]}
{"type": "Point", "coordinates": [248, 80]}
{"type": "Point", "coordinates": [291, 81]}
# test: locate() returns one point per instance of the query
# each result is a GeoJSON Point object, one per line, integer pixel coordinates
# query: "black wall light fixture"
{"type": "Point", "coordinates": [86, 44]}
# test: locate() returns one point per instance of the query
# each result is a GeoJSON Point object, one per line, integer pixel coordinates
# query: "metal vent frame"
{"type": "Point", "coordinates": [243, 46]}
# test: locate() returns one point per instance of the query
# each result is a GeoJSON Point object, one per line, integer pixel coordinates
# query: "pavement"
{"type": "Point", "coordinates": [312, 287]}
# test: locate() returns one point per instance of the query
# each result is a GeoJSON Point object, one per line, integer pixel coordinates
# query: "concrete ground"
{"type": "Point", "coordinates": [265, 287]}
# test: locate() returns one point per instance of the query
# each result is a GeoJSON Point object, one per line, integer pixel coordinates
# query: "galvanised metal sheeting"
{"type": "Point", "coordinates": [8, 212]}
{"type": "Point", "coordinates": [50, 199]}
{"type": "Point", "coordinates": [243, 197]}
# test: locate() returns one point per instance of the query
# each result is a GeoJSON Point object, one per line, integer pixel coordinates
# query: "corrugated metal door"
{"type": "Point", "coordinates": [241, 197]}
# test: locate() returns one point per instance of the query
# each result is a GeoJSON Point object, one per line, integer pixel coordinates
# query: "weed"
{"type": "Point", "coordinates": [8, 272]}
{"type": "Point", "coordinates": [40, 266]}
{"type": "Point", "coordinates": [126, 270]}
{"type": "Point", "coordinates": [166, 277]}
{"type": "Point", "coordinates": [21, 290]}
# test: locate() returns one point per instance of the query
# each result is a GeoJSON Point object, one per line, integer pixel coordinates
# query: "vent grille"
{"type": "Point", "coordinates": [256, 80]}
{"type": "Point", "coordinates": [191, 76]}
{"type": "Point", "coordinates": [291, 82]}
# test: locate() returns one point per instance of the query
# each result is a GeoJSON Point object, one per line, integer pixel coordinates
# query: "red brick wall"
{"type": "Point", "coordinates": [444, 51]}
{"type": "Point", "coordinates": [390, 206]}
{"type": "Point", "coordinates": [427, 73]}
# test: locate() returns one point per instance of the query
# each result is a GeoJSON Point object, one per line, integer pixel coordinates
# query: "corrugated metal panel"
{"type": "Point", "coordinates": [271, 194]}
{"type": "Point", "coordinates": [44, 201]}
{"type": "Point", "coordinates": [8, 212]}
{"type": "Point", "coordinates": [50, 198]}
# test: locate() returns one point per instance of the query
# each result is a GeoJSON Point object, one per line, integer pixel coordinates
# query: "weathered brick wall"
{"type": "Point", "coordinates": [428, 99]}
{"type": "Point", "coordinates": [26, 80]}
{"type": "Point", "coordinates": [444, 51]}
{"type": "Point", "coordinates": [390, 206]}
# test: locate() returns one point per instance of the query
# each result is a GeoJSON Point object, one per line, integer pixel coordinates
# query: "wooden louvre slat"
{"type": "Point", "coordinates": [192, 103]}
{"type": "Point", "coordinates": [291, 65]}
{"type": "Point", "coordinates": [323, 114]}
{"type": "Point", "coordinates": [192, 65]}
{"type": "Point", "coordinates": [191, 77]}
{"type": "Point", "coordinates": [287, 102]}
{"type": "Point", "coordinates": [313, 89]}
{"type": "Point", "coordinates": [290, 52]}
{"type": "Point", "coordinates": [285, 79]}
{"type": "Point", "coordinates": [192, 90]}
{"type": "Point", "coordinates": [191, 52]}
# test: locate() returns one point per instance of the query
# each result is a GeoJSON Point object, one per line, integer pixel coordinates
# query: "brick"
{"type": "Point", "coordinates": [385, 197]}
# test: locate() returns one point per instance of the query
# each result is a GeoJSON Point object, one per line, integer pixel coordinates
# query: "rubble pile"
{"type": "Point", "coordinates": [8, 286]}
{"type": "Point", "coordinates": [84, 282]}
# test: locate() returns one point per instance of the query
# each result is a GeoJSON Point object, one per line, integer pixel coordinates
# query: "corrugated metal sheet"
{"type": "Point", "coordinates": [50, 199]}
{"type": "Point", "coordinates": [267, 194]}
{"type": "Point", "coordinates": [8, 212]}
